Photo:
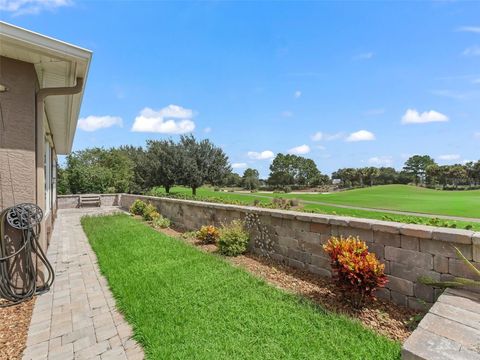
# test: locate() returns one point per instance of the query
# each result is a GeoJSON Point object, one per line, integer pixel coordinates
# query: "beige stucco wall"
{"type": "Point", "coordinates": [22, 142]}
{"type": "Point", "coordinates": [17, 132]}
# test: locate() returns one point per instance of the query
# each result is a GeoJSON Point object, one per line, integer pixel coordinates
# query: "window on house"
{"type": "Point", "coordinates": [48, 177]}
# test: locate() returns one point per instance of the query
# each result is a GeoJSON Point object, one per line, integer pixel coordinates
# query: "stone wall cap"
{"type": "Point", "coordinates": [458, 236]}
{"type": "Point", "coordinates": [362, 223]}
{"type": "Point", "coordinates": [390, 227]}
{"type": "Point", "coordinates": [418, 231]}
{"type": "Point", "coordinates": [340, 221]}
{"type": "Point", "coordinates": [476, 238]}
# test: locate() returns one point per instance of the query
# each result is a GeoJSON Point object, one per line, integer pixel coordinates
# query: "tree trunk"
{"type": "Point", "coordinates": [194, 191]}
{"type": "Point", "coordinates": [167, 189]}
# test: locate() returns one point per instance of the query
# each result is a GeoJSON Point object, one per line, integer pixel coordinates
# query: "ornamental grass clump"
{"type": "Point", "coordinates": [137, 207]}
{"type": "Point", "coordinates": [233, 239]}
{"type": "Point", "coordinates": [357, 272]}
{"type": "Point", "coordinates": [208, 234]}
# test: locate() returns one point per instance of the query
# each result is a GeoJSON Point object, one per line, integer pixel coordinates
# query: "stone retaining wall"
{"type": "Point", "coordinates": [72, 201]}
{"type": "Point", "coordinates": [296, 238]}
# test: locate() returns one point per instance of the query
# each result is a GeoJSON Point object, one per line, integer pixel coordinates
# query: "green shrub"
{"type": "Point", "coordinates": [280, 203]}
{"type": "Point", "coordinates": [294, 202]}
{"type": "Point", "coordinates": [233, 239]}
{"type": "Point", "coordinates": [161, 222]}
{"type": "Point", "coordinates": [150, 212]}
{"type": "Point", "coordinates": [287, 189]}
{"type": "Point", "coordinates": [137, 207]}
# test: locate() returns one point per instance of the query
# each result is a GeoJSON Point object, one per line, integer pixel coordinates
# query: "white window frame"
{"type": "Point", "coordinates": [48, 176]}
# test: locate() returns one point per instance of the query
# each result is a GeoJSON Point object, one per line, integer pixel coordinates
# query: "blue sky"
{"type": "Point", "coordinates": [346, 84]}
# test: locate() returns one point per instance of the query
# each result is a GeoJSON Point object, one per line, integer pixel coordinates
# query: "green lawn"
{"type": "Point", "coordinates": [446, 202]}
{"type": "Point", "coordinates": [186, 304]}
{"type": "Point", "coordinates": [391, 197]}
{"type": "Point", "coordinates": [406, 198]}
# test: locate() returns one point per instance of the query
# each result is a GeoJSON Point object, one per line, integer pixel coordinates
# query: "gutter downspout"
{"type": "Point", "coordinates": [39, 130]}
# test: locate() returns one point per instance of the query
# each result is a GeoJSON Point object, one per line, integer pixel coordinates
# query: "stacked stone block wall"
{"type": "Point", "coordinates": [73, 201]}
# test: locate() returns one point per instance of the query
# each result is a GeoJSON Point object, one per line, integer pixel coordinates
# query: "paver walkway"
{"type": "Point", "coordinates": [77, 319]}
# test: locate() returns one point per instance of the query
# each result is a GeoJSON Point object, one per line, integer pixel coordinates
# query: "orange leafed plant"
{"type": "Point", "coordinates": [357, 271]}
{"type": "Point", "coordinates": [208, 234]}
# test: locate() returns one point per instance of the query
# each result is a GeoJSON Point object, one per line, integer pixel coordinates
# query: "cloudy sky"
{"type": "Point", "coordinates": [350, 84]}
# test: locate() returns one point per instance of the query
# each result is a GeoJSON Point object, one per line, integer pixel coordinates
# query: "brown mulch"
{"type": "Point", "coordinates": [14, 323]}
{"type": "Point", "coordinates": [395, 322]}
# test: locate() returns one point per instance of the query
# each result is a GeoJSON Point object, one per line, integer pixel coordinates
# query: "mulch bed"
{"type": "Point", "coordinates": [395, 322]}
{"type": "Point", "coordinates": [14, 323]}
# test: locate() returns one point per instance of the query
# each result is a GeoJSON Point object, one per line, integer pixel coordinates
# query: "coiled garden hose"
{"type": "Point", "coordinates": [22, 262]}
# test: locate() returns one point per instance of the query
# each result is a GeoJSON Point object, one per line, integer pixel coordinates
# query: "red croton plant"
{"type": "Point", "coordinates": [356, 271]}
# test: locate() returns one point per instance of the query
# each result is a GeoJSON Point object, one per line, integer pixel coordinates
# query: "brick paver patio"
{"type": "Point", "coordinates": [77, 319]}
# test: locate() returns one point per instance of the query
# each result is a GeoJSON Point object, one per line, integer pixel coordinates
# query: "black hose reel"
{"type": "Point", "coordinates": [21, 265]}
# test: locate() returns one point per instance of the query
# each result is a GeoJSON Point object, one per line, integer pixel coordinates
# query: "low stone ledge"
{"type": "Point", "coordinates": [458, 236]}
{"type": "Point", "coordinates": [418, 231]}
{"type": "Point", "coordinates": [451, 329]}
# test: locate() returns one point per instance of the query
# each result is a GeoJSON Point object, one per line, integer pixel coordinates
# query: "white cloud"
{"type": "Point", "coordinates": [93, 123]}
{"type": "Point", "coordinates": [300, 150]}
{"type": "Point", "coordinates": [361, 135]}
{"type": "Point", "coordinates": [374, 112]}
{"type": "Point", "coordinates": [318, 136]}
{"type": "Point", "coordinates": [207, 130]}
{"type": "Point", "coordinates": [412, 116]}
{"type": "Point", "coordinates": [239, 165]}
{"type": "Point", "coordinates": [264, 155]}
{"type": "Point", "coordinates": [449, 157]}
{"type": "Point", "coordinates": [286, 113]}
{"type": "Point", "coordinates": [476, 81]}
{"type": "Point", "coordinates": [157, 121]}
{"type": "Point", "coordinates": [297, 94]}
{"type": "Point", "coordinates": [477, 135]}
{"type": "Point", "coordinates": [472, 51]}
{"type": "Point", "coordinates": [20, 7]}
{"type": "Point", "coordinates": [455, 94]}
{"type": "Point", "coordinates": [364, 56]}
{"type": "Point", "coordinates": [473, 29]}
{"type": "Point", "coordinates": [381, 161]}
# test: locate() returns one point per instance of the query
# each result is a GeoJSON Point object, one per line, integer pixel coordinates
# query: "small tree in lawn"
{"type": "Point", "coordinates": [164, 158]}
{"type": "Point", "coordinates": [417, 165]}
{"type": "Point", "coordinates": [201, 162]}
{"type": "Point", "coordinates": [250, 179]}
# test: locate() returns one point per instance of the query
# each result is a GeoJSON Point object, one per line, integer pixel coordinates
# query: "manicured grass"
{"type": "Point", "coordinates": [186, 304]}
{"type": "Point", "coordinates": [405, 198]}
{"type": "Point", "coordinates": [248, 199]}
{"type": "Point", "coordinates": [391, 197]}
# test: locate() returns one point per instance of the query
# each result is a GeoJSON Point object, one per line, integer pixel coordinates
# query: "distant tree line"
{"type": "Point", "coordinates": [193, 163]}
{"type": "Point", "coordinates": [418, 169]}
{"type": "Point", "coordinates": [166, 163]}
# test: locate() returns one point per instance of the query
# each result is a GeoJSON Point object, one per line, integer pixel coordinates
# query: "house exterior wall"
{"type": "Point", "coordinates": [17, 132]}
{"type": "Point", "coordinates": [22, 143]}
